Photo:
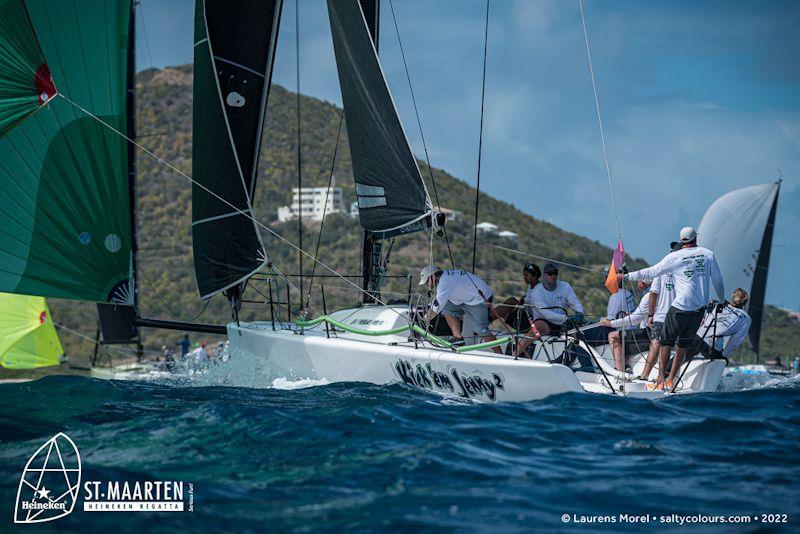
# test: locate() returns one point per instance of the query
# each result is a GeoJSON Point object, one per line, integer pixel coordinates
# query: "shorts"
{"type": "Point", "coordinates": [680, 326]}
{"type": "Point", "coordinates": [656, 329]}
{"type": "Point", "coordinates": [477, 314]}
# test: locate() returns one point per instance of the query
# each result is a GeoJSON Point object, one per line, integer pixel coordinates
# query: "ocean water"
{"type": "Point", "coordinates": [365, 457]}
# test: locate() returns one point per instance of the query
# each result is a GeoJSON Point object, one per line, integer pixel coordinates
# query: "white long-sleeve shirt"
{"type": "Point", "coordinates": [694, 269]}
{"type": "Point", "coordinates": [664, 287]}
{"type": "Point", "coordinates": [562, 296]}
{"type": "Point", "coordinates": [733, 324]}
{"type": "Point", "coordinates": [621, 301]}
{"type": "Point", "coordinates": [460, 287]}
{"type": "Point", "coordinates": [637, 318]}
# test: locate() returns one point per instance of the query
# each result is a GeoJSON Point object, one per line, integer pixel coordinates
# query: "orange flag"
{"type": "Point", "coordinates": [611, 279]}
{"type": "Point", "coordinates": [617, 260]}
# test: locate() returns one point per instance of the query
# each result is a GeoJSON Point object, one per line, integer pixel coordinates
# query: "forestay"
{"type": "Point", "coordinates": [234, 50]}
{"type": "Point", "coordinates": [392, 198]}
{"type": "Point", "coordinates": [65, 226]}
{"type": "Point", "coordinates": [738, 228]}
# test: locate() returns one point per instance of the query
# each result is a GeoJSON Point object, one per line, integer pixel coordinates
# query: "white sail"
{"type": "Point", "coordinates": [737, 227]}
{"type": "Point", "coordinates": [733, 228]}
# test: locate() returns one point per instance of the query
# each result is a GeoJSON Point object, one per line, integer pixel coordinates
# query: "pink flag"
{"type": "Point", "coordinates": [619, 255]}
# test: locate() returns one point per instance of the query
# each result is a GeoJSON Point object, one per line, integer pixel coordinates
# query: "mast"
{"type": "Point", "coordinates": [371, 246]}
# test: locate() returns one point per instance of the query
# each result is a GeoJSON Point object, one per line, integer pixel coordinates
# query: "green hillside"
{"type": "Point", "coordinates": [167, 285]}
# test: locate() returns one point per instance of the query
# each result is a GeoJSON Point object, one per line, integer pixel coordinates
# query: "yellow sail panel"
{"type": "Point", "coordinates": [28, 336]}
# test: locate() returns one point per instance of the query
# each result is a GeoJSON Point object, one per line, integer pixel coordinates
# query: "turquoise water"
{"type": "Point", "coordinates": [365, 457]}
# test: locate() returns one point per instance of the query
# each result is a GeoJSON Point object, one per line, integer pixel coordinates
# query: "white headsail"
{"type": "Point", "coordinates": [738, 228]}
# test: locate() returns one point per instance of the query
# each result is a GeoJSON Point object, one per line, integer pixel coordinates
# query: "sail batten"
{"type": "Point", "coordinates": [391, 194]}
{"type": "Point", "coordinates": [738, 228]}
{"type": "Point", "coordinates": [235, 43]}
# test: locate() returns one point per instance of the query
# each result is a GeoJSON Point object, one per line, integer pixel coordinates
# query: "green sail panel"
{"type": "Point", "coordinates": [25, 81]}
{"type": "Point", "coordinates": [235, 42]}
{"type": "Point", "coordinates": [28, 337]}
{"type": "Point", "coordinates": [392, 198]}
{"type": "Point", "coordinates": [65, 227]}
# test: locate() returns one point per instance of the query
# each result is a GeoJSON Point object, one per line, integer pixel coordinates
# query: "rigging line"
{"type": "Point", "coordinates": [144, 33]}
{"type": "Point", "coordinates": [480, 138]}
{"type": "Point", "coordinates": [551, 259]}
{"type": "Point", "coordinates": [152, 286]}
{"type": "Point", "coordinates": [179, 172]}
{"type": "Point", "coordinates": [299, 151]}
{"type": "Point", "coordinates": [325, 206]}
{"type": "Point", "coordinates": [600, 123]}
{"type": "Point", "coordinates": [421, 133]}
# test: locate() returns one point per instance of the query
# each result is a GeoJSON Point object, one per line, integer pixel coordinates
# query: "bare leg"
{"type": "Point", "coordinates": [616, 350]}
{"type": "Point", "coordinates": [454, 324]}
{"type": "Point", "coordinates": [663, 357]}
{"type": "Point", "coordinates": [506, 308]}
{"type": "Point", "coordinates": [542, 327]}
{"type": "Point", "coordinates": [651, 358]}
{"type": "Point", "coordinates": [676, 364]}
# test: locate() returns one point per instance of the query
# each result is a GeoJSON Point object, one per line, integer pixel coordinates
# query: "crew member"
{"type": "Point", "coordinates": [459, 295]}
{"type": "Point", "coordinates": [511, 311]}
{"type": "Point", "coordinates": [695, 269]}
{"type": "Point", "coordinates": [636, 322]}
{"type": "Point", "coordinates": [550, 299]}
{"type": "Point", "coordinates": [730, 330]}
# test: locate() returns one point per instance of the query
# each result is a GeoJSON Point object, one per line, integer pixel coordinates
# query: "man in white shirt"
{"type": "Point", "coordinates": [549, 299]}
{"type": "Point", "coordinates": [460, 295]}
{"type": "Point", "coordinates": [694, 269]}
{"type": "Point", "coordinates": [635, 321]}
{"type": "Point", "coordinates": [662, 293]}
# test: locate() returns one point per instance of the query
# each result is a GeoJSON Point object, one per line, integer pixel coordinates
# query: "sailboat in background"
{"type": "Point", "coordinates": [738, 227]}
{"type": "Point", "coordinates": [28, 338]}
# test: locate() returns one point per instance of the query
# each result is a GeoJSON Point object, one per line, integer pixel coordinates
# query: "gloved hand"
{"type": "Point", "coordinates": [722, 305]}
{"type": "Point", "coordinates": [578, 318]}
{"type": "Point", "coordinates": [712, 306]}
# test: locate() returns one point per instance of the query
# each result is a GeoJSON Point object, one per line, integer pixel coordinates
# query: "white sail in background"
{"type": "Point", "coordinates": [737, 227]}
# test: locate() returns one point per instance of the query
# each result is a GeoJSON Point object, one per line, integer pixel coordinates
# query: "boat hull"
{"type": "Point", "coordinates": [279, 354]}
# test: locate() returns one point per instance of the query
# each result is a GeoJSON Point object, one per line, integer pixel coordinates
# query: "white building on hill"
{"type": "Point", "coordinates": [312, 203]}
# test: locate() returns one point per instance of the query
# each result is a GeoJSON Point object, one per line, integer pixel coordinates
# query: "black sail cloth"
{"type": "Point", "coordinates": [234, 52]}
{"type": "Point", "coordinates": [392, 198]}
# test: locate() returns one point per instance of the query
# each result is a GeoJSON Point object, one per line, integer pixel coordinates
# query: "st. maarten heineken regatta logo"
{"type": "Point", "coordinates": [50, 486]}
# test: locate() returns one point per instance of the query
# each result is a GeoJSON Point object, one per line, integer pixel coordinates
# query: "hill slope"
{"type": "Point", "coordinates": [167, 286]}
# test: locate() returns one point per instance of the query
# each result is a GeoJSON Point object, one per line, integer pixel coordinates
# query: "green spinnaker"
{"type": "Point", "coordinates": [25, 83]}
{"type": "Point", "coordinates": [28, 337]}
{"type": "Point", "coordinates": [65, 226]}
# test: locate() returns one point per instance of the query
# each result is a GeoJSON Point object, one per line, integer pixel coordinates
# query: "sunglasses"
{"type": "Point", "coordinates": [552, 273]}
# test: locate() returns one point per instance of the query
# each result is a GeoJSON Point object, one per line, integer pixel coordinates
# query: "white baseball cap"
{"type": "Point", "coordinates": [426, 273]}
{"type": "Point", "coordinates": [688, 234]}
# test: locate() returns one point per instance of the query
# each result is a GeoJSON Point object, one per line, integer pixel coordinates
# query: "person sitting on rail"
{"type": "Point", "coordinates": [730, 331]}
{"type": "Point", "coordinates": [460, 295]}
{"type": "Point", "coordinates": [635, 322]}
{"type": "Point", "coordinates": [511, 311]}
{"type": "Point", "coordinates": [550, 299]}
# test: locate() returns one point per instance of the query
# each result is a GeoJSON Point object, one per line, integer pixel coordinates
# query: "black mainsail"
{"type": "Point", "coordinates": [235, 43]}
{"type": "Point", "coordinates": [392, 198]}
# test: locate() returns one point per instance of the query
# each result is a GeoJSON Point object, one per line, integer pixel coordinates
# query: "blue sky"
{"type": "Point", "coordinates": [698, 98]}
